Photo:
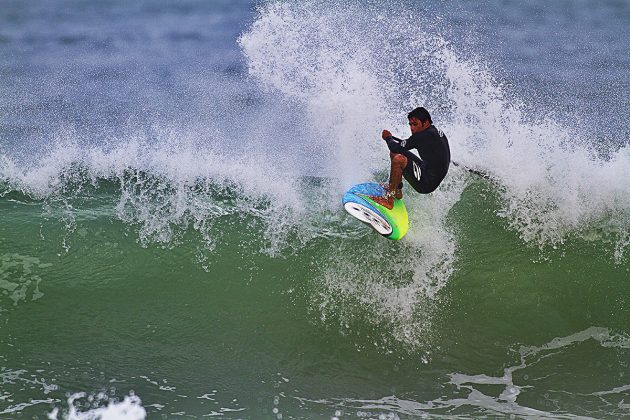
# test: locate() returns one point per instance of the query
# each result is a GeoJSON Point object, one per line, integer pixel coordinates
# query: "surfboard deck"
{"type": "Point", "coordinates": [392, 224]}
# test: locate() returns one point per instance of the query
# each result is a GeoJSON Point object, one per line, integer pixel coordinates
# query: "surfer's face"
{"type": "Point", "coordinates": [417, 126]}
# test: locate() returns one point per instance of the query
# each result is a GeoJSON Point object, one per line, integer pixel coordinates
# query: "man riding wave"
{"type": "Point", "coordinates": [425, 171]}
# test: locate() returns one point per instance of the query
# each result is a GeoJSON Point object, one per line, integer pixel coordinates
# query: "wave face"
{"type": "Point", "coordinates": [177, 186]}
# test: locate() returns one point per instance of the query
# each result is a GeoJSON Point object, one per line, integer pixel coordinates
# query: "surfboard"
{"type": "Point", "coordinates": [392, 224]}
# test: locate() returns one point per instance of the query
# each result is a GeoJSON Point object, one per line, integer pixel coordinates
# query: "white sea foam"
{"type": "Point", "coordinates": [165, 186]}
{"type": "Point", "coordinates": [356, 76]}
{"type": "Point", "coordinates": [334, 61]}
{"type": "Point", "coordinates": [552, 179]}
{"type": "Point", "coordinates": [357, 69]}
{"type": "Point", "coordinates": [130, 408]}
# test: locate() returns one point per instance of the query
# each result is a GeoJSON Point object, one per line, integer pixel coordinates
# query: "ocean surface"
{"type": "Point", "coordinates": [172, 241]}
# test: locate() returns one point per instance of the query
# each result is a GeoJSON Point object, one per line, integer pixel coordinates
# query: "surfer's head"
{"type": "Point", "coordinates": [419, 120]}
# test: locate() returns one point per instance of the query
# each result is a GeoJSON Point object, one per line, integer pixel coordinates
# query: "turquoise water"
{"type": "Point", "coordinates": [172, 242]}
{"type": "Point", "coordinates": [90, 309]}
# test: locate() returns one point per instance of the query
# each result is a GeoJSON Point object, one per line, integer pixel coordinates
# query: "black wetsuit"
{"type": "Point", "coordinates": [426, 172]}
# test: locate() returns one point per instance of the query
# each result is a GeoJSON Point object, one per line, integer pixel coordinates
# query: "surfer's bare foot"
{"type": "Point", "coordinates": [388, 203]}
{"type": "Point", "coordinates": [386, 200]}
{"type": "Point", "coordinates": [398, 194]}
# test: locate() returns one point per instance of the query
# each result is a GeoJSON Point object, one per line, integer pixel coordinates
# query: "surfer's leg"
{"type": "Point", "coordinates": [413, 173]}
{"type": "Point", "coordinates": [399, 162]}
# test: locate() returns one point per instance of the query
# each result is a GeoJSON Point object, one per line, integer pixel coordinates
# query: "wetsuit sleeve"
{"type": "Point", "coordinates": [397, 145]}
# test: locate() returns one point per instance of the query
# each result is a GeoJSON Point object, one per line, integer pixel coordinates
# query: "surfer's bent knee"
{"type": "Point", "coordinates": [399, 159]}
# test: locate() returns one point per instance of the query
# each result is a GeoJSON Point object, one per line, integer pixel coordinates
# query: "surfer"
{"type": "Point", "coordinates": [424, 173]}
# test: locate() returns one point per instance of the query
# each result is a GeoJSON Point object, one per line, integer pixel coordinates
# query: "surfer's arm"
{"type": "Point", "coordinates": [397, 145]}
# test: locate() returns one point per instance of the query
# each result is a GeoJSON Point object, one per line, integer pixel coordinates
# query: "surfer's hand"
{"type": "Point", "coordinates": [386, 134]}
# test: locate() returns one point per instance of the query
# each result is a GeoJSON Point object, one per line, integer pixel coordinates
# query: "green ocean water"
{"type": "Point", "coordinates": [86, 306]}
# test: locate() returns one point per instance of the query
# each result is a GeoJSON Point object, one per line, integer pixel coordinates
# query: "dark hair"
{"type": "Point", "coordinates": [421, 114]}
